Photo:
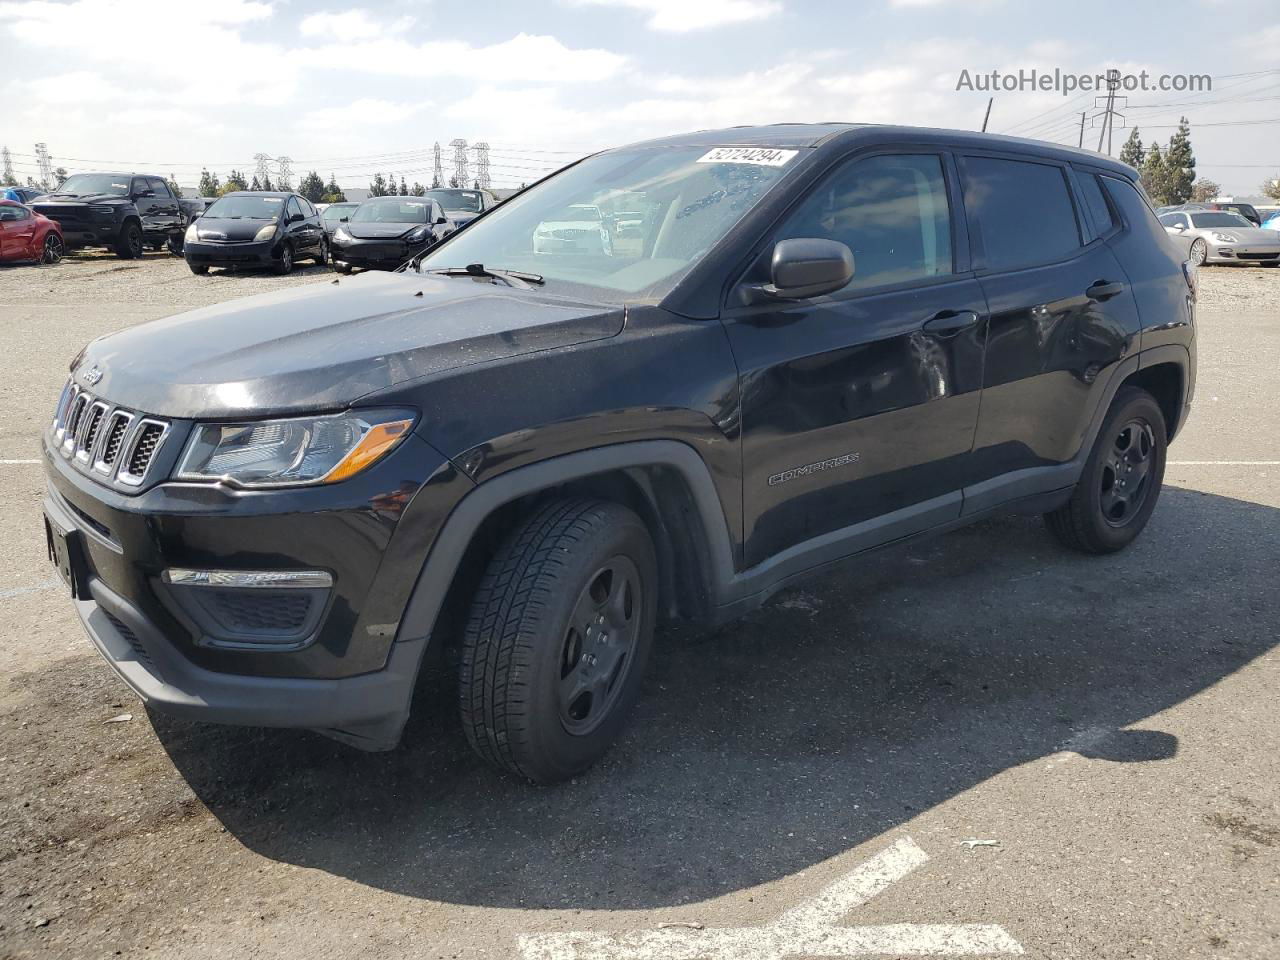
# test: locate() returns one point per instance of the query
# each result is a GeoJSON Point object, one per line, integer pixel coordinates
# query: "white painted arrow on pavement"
{"type": "Point", "coordinates": [808, 930]}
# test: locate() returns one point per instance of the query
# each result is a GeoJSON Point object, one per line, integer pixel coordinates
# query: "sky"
{"type": "Point", "coordinates": [354, 89]}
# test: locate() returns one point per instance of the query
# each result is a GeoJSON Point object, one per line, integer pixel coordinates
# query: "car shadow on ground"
{"type": "Point", "coordinates": [824, 720]}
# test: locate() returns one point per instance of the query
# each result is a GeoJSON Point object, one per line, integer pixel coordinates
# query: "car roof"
{"type": "Point", "coordinates": [259, 193]}
{"type": "Point", "coordinates": [845, 135]}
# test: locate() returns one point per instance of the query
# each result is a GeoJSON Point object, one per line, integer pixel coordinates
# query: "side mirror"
{"type": "Point", "coordinates": [806, 267]}
{"type": "Point", "coordinates": [1179, 227]}
{"type": "Point", "coordinates": [296, 217]}
{"type": "Point", "coordinates": [144, 194]}
{"type": "Point", "coordinates": [440, 220]}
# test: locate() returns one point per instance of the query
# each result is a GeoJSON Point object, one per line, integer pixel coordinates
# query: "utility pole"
{"type": "Point", "coordinates": [990, 100]}
{"type": "Point", "coordinates": [45, 165]}
{"type": "Point", "coordinates": [482, 165]}
{"type": "Point", "coordinates": [262, 174]}
{"type": "Point", "coordinates": [1109, 113]}
{"type": "Point", "coordinates": [437, 170]}
{"type": "Point", "coordinates": [1082, 114]}
{"type": "Point", "coordinates": [284, 180]}
{"type": "Point", "coordinates": [7, 177]}
{"type": "Point", "coordinates": [460, 161]}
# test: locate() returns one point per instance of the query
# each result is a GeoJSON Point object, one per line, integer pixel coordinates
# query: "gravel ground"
{"type": "Point", "coordinates": [1110, 723]}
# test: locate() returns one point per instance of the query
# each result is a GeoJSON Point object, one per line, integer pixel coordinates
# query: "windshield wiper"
{"type": "Point", "coordinates": [480, 270]}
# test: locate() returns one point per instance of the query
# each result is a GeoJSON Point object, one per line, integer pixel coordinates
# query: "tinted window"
{"type": "Point", "coordinates": [1174, 220]}
{"type": "Point", "coordinates": [891, 211]}
{"type": "Point", "coordinates": [292, 209]}
{"type": "Point", "coordinates": [159, 187]}
{"type": "Point", "coordinates": [338, 210]}
{"type": "Point", "coordinates": [1096, 202]}
{"type": "Point", "coordinates": [89, 184]}
{"type": "Point", "coordinates": [1023, 211]}
{"type": "Point", "coordinates": [392, 210]}
{"type": "Point", "coordinates": [1221, 219]}
{"type": "Point", "coordinates": [245, 207]}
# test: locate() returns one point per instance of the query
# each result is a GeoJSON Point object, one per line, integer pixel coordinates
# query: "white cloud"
{"type": "Point", "coordinates": [365, 112]}
{"type": "Point", "coordinates": [84, 23]}
{"type": "Point", "coordinates": [355, 24]}
{"type": "Point", "coordinates": [523, 58]}
{"type": "Point", "coordinates": [681, 16]}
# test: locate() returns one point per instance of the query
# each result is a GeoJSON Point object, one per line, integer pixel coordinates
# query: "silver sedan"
{"type": "Point", "coordinates": [1217, 236]}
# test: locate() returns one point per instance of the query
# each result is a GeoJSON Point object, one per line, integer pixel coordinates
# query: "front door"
{"type": "Point", "coordinates": [859, 408]}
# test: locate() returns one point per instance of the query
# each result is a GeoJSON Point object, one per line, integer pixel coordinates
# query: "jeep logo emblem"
{"type": "Point", "coordinates": [92, 375]}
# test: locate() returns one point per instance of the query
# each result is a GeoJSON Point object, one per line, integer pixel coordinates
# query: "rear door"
{"type": "Point", "coordinates": [859, 408]}
{"type": "Point", "coordinates": [1062, 318]}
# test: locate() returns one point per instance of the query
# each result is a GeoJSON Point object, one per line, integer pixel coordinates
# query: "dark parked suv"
{"type": "Point", "coordinates": [124, 212]}
{"type": "Point", "coordinates": [826, 339]}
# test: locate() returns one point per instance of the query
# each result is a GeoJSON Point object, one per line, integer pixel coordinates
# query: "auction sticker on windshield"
{"type": "Point", "coordinates": [761, 156]}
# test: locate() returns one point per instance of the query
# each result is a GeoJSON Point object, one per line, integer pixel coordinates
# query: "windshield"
{"type": "Point", "coordinates": [399, 210]}
{"type": "Point", "coordinates": [245, 208]}
{"type": "Point", "coordinates": [627, 224]}
{"type": "Point", "coordinates": [467, 201]}
{"type": "Point", "coordinates": [1221, 219]}
{"type": "Point", "coordinates": [339, 210]}
{"type": "Point", "coordinates": [92, 184]}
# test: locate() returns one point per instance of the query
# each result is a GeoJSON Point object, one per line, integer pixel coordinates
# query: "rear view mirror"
{"type": "Point", "coordinates": [806, 267]}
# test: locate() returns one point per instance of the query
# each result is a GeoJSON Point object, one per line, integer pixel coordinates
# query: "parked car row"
{"type": "Point", "coordinates": [27, 235]}
{"type": "Point", "coordinates": [1221, 236]}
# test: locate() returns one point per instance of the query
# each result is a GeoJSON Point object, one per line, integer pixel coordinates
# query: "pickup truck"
{"type": "Point", "coordinates": [123, 212]}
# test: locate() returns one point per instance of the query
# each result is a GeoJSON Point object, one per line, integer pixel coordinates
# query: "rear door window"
{"type": "Point", "coordinates": [1095, 202]}
{"type": "Point", "coordinates": [1022, 210]}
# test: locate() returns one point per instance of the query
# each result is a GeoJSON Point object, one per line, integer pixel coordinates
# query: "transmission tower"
{"type": "Point", "coordinates": [482, 165]}
{"type": "Point", "coordinates": [1109, 112]}
{"type": "Point", "coordinates": [7, 176]}
{"type": "Point", "coordinates": [45, 164]}
{"type": "Point", "coordinates": [263, 172]}
{"type": "Point", "coordinates": [285, 180]}
{"type": "Point", "coordinates": [437, 171]}
{"type": "Point", "coordinates": [459, 161]}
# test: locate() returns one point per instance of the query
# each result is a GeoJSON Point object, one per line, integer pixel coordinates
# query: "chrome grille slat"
{"type": "Point", "coordinates": [116, 444]}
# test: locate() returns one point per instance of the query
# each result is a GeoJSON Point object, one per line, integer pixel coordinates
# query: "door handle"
{"type": "Point", "coordinates": [1102, 290]}
{"type": "Point", "coordinates": [948, 323]}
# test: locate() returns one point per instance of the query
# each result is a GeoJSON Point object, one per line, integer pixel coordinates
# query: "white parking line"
{"type": "Point", "coordinates": [1224, 463]}
{"type": "Point", "coordinates": [49, 584]}
{"type": "Point", "coordinates": [14, 463]}
{"type": "Point", "coordinates": [808, 930]}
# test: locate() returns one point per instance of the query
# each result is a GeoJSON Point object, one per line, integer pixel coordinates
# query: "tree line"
{"type": "Point", "coordinates": [1169, 173]}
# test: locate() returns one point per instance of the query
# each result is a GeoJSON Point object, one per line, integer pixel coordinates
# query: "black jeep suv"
{"type": "Point", "coordinates": [822, 340]}
{"type": "Point", "coordinates": [120, 211]}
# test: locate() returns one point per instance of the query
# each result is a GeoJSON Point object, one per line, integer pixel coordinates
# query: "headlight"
{"type": "Point", "coordinates": [193, 234]}
{"type": "Point", "coordinates": [94, 208]}
{"type": "Point", "coordinates": [418, 235]}
{"type": "Point", "coordinates": [341, 234]}
{"type": "Point", "coordinates": [266, 233]}
{"type": "Point", "coordinates": [287, 453]}
{"type": "Point", "coordinates": [1225, 238]}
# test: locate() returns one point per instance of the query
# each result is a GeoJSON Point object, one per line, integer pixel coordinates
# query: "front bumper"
{"type": "Point", "coordinates": [375, 254]}
{"type": "Point", "coordinates": [204, 253]}
{"type": "Point", "coordinates": [353, 679]}
{"type": "Point", "coordinates": [1243, 253]}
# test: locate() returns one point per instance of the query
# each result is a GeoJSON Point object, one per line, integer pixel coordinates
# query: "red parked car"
{"type": "Point", "coordinates": [26, 235]}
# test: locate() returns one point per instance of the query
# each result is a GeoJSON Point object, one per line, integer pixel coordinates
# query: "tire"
{"type": "Point", "coordinates": [1122, 478]}
{"type": "Point", "coordinates": [199, 269]}
{"type": "Point", "coordinates": [284, 265]}
{"type": "Point", "coordinates": [322, 256]}
{"type": "Point", "coordinates": [341, 266]}
{"type": "Point", "coordinates": [157, 245]}
{"type": "Point", "coordinates": [1199, 252]}
{"type": "Point", "coordinates": [175, 246]}
{"type": "Point", "coordinates": [557, 639]}
{"type": "Point", "coordinates": [128, 245]}
{"type": "Point", "coordinates": [52, 249]}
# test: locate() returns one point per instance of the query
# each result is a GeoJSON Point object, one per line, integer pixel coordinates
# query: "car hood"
{"type": "Point", "coordinates": [217, 228]}
{"type": "Point", "coordinates": [380, 231]}
{"type": "Point", "coordinates": [325, 345]}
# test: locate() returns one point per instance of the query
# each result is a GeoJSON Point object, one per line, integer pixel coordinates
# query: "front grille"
{"type": "Point", "coordinates": [119, 445]}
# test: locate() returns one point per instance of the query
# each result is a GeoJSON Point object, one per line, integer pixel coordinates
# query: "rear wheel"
{"type": "Point", "coordinates": [51, 251]}
{"type": "Point", "coordinates": [128, 244]}
{"type": "Point", "coordinates": [285, 264]}
{"type": "Point", "coordinates": [1199, 252]}
{"type": "Point", "coordinates": [322, 255]}
{"type": "Point", "coordinates": [558, 636]}
{"type": "Point", "coordinates": [1121, 481]}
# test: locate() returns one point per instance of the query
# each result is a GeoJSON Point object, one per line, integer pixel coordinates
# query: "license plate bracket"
{"type": "Point", "coordinates": [65, 553]}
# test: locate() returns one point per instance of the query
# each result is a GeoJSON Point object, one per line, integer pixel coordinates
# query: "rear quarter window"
{"type": "Point", "coordinates": [1096, 203]}
{"type": "Point", "coordinates": [1023, 211]}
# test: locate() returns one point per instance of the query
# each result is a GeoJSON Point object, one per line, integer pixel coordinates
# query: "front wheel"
{"type": "Point", "coordinates": [199, 269]}
{"type": "Point", "coordinates": [285, 264]}
{"type": "Point", "coordinates": [51, 251]}
{"type": "Point", "coordinates": [128, 245]}
{"type": "Point", "coordinates": [1199, 252]}
{"type": "Point", "coordinates": [557, 640]}
{"type": "Point", "coordinates": [1121, 481]}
